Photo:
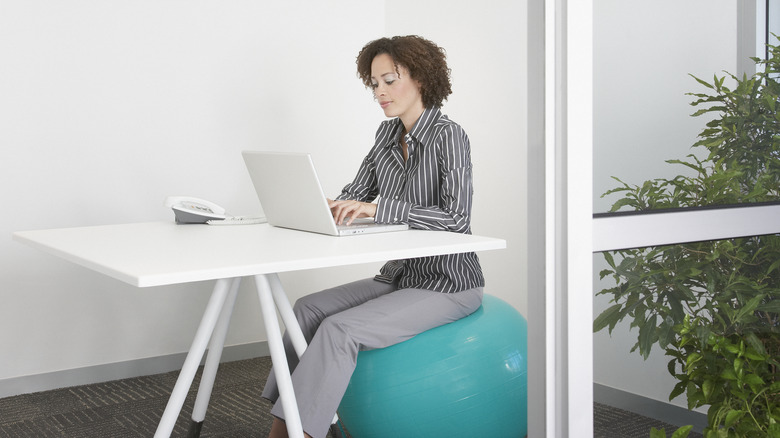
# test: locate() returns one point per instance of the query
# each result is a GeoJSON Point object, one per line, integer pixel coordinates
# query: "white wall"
{"type": "Point", "coordinates": [643, 53]}
{"type": "Point", "coordinates": [109, 107]}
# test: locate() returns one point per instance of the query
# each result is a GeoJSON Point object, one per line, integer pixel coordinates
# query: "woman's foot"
{"type": "Point", "coordinates": [279, 430]}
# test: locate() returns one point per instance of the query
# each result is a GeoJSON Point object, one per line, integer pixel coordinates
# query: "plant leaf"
{"type": "Point", "coordinates": [733, 416]}
{"type": "Point", "coordinates": [655, 433]}
{"type": "Point", "coordinates": [755, 343]}
{"type": "Point", "coordinates": [608, 317]}
{"type": "Point", "coordinates": [707, 388]}
{"type": "Point", "coordinates": [682, 432]}
{"type": "Point", "coordinates": [679, 388]}
{"type": "Point", "coordinates": [772, 306]}
{"type": "Point", "coordinates": [647, 336]}
{"type": "Point", "coordinates": [702, 82]}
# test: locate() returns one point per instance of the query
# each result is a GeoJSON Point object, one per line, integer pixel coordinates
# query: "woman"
{"type": "Point", "coordinates": [419, 173]}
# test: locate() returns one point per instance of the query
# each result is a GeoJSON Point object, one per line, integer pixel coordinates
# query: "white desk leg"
{"type": "Point", "coordinates": [192, 361]}
{"type": "Point", "coordinates": [286, 312]}
{"type": "Point", "coordinates": [288, 316]}
{"type": "Point", "coordinates": [278, 357]}
{"type": "Point", "coordinates": [212, 361]}
{"type": "Point", "coordinates": [290, 321]}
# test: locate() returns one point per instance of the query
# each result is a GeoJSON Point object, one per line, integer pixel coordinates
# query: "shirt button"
{"type": "Point", "coordinates": [395, 197]}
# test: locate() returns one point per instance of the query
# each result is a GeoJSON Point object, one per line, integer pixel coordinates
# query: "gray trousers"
{"type": "Point", "coordinates": [339, 322]}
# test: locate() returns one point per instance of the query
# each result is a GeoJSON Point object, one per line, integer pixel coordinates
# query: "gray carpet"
{"type": "Point", "coordinates": [133, 407]}
{"type": "Point", "coordinates": [611, 422]}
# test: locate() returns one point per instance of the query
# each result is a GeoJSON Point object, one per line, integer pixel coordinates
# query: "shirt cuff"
{"type": "Point", "coordinates": [390, 271]}
{"type": "Point", "coordinates": [392, 211]}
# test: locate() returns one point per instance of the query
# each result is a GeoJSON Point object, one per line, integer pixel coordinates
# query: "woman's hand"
{"type": "Point", "coordinates": [342, 210]}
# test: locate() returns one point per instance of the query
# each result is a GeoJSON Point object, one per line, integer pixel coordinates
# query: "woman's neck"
{"type": "Point", "coordinates": [410, 118]}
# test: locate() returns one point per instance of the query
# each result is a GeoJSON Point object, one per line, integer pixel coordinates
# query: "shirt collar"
{"type": "Point", "coordinates": [421, 131]}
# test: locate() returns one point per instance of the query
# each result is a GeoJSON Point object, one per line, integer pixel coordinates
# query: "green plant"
{"type": "Point", "coordinates": [713, 307]}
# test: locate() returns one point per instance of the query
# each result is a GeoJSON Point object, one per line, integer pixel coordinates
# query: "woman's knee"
{"type": "Point", "coordinates": [309, 316]}
{"type": "Point", "coordinates": [336, 331]}
{"type": "Point", "coordinates": [307, 306]}
{"type": "Point", "coordinates": [334, 325]}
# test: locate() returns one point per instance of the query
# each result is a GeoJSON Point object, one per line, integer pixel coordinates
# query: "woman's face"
{"type": "Point", "coordinates": [397, 93]}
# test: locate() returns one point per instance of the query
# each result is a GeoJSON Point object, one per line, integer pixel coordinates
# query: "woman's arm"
{"type": "Point", "coordinates": [364, 187]}
{"type": "Point", "coordinates": [355, 199]}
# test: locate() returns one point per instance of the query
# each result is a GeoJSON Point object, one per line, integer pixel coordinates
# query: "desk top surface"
{"type": "Point", "coordinates": [162, 253]}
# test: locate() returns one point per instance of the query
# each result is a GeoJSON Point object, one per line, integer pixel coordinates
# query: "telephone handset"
{"type": "Point", "coordinates": [189, 210]}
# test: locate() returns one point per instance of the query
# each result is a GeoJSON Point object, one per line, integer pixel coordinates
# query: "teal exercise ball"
{"type": "Point", "coordinates": [468, 378]}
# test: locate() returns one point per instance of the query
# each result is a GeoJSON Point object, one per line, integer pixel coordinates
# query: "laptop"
{"type": "Point", "coordinates": [291, 195]}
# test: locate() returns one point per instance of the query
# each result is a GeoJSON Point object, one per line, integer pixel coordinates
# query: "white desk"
{"type": "Point", "coordinates": [163, 253]}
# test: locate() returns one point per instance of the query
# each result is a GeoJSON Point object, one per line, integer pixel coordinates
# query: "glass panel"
{"type": "Point", "coordinates": [770, 13]}
{"type": "Point", "coordinates": [665, 152]}
{"type": "Point", "coordinates": [709, 308]}
{"type": "Point", "coordinates": [708, 311]}
{"type": "Point", "coordinates": [702, 322]}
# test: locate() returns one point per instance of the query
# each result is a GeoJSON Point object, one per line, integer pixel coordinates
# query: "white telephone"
{"type": "Point", "coordinates": [189, 210]}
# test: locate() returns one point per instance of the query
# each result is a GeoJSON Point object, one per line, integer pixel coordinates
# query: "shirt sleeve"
{"type": "Point", "coordinates": [364, 187]}
{"type": "Point", "coordinates": [453, 212]}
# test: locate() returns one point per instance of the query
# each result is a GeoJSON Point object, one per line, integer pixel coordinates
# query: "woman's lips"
{"type": "Point", "coordinates": [384, 104]}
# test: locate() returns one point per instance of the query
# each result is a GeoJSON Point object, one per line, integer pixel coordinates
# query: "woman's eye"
{"type": "Point", "coordinates": [388, 82]}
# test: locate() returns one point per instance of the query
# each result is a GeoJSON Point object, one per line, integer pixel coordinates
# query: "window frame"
{"type": "Point", "coordinates": [564, 233]}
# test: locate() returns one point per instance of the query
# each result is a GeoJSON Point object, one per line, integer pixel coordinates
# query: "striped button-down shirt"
{"type": "Point", "coordinates": [432, 190]}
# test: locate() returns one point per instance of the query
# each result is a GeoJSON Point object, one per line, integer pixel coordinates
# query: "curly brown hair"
{"type": "Point", "coordinates": [426, 62]}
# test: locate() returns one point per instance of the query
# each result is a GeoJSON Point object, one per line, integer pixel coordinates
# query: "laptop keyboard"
{"type": "Point", "coordinates": [358, 223]}
{"type": "Point", "coordinates": [354, 225]}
